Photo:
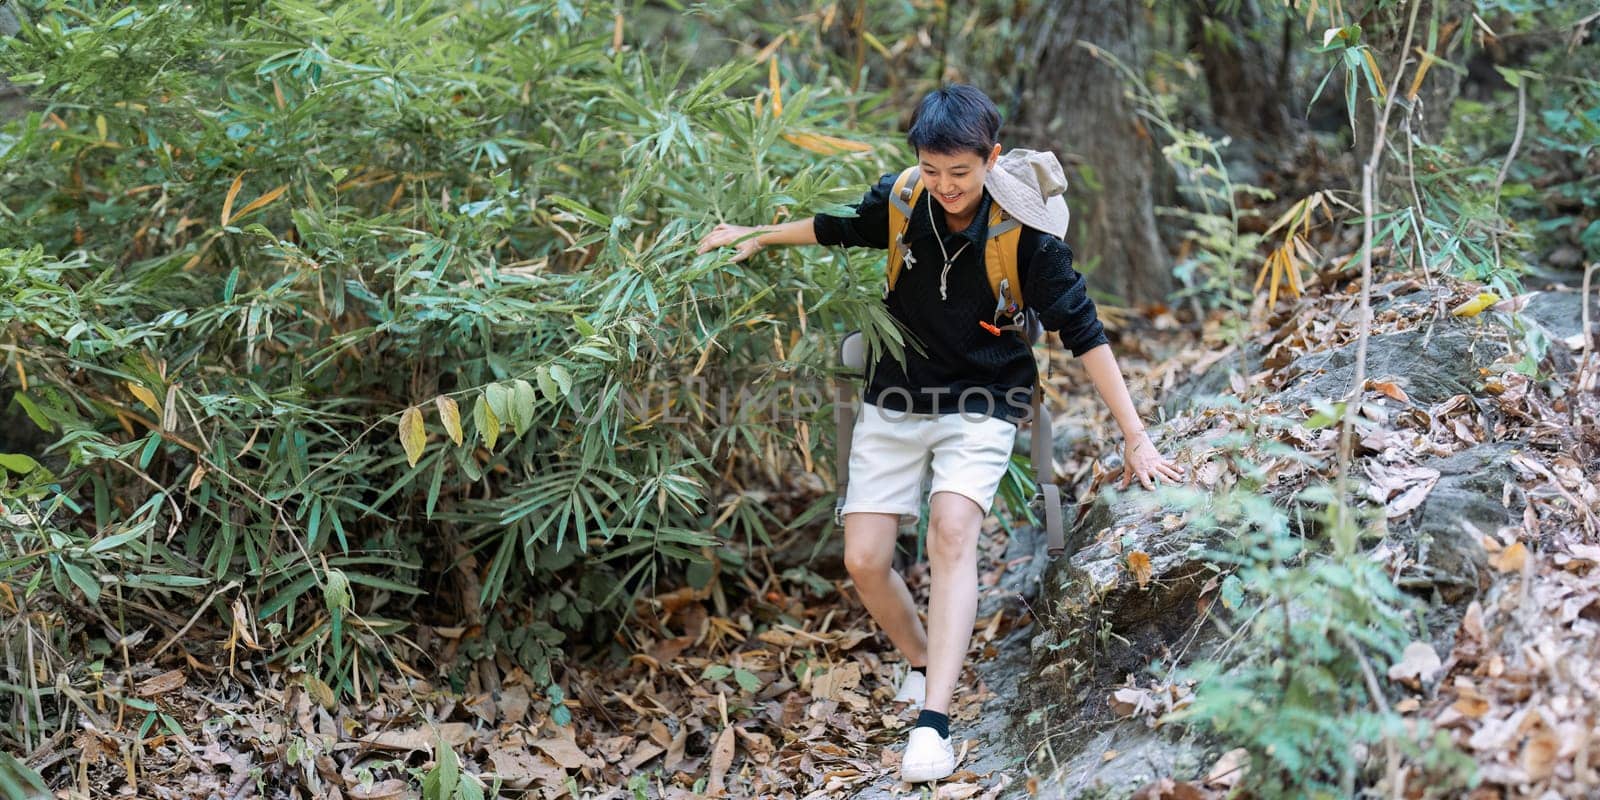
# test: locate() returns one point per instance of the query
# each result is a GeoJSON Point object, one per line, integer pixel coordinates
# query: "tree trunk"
{"type": "Point", "coordinates": [9, 95]}
{"type": "Point", "coordinates": [1243, 73]}
{"type": "Point", "coordinates": [1076, 107]}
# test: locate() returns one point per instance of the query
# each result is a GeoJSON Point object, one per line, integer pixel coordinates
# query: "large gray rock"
{"type": "Point", "coordinates": [1099, 624]}
{"type": "Point", "coordinates": [1433, 362]}
{"type": "Point", "coordinates": [1444, 535]}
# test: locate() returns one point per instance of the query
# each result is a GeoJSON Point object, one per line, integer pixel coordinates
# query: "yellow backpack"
{"type": "Point", "coordinates": [1000, 251]}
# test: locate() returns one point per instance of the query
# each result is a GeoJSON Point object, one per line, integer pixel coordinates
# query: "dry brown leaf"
{"type": "Point", "coordinates": [161, 684]}
{"type": "Point", "coordinates": [1472, 622]}
{"type": "Point", "coordinates": [956, 791]}
{"type": "Point", "coordinates": [321, 693]}
{"type": "Point", "coordinates": [455, 734]}
{"type": "Point", "coordinates": [1139, 565]}
{"type": "Point", "coordinates": [1510, 559]}
{"type": "Point", "coordinates": [1127, 702]}
{"type": "Point", "coordinates": [514, 703]}
{"type": "Point", "coordinates": [566, 753]}
{"type": "Point", "coordinates": [1419, 663]}
{"type": "Point", "coordinates": [391, 789]}
{"type": "Point", "coordinates": [721, 759]}
{"type": "Point", "coordinates": [520, 768]}
{"type": "Point", "coordinates": [1539, 754]}
{"type": "Point", "coordinates": [642, 755]}
{"type": "Point", "coordinates": [675, 750]}
{"type": "Point", "coordinates": [1389, 389]}
{"type": "Point", "coordinates": [1469, 703]}
{"type": "Point", "coordinates": [835, 681]}
{"type": "Point", "coordinates": [1229, 769]}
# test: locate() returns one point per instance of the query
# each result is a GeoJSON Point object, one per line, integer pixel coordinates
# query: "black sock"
{"type": "Point", "coordinates": [935, 720]}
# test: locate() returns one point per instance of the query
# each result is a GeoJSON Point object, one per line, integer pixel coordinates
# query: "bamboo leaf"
{"type": "Point", "coordinates": [1374, 74]}
{"type": "Point", "coordinates": [825, 145]}
{"type": "Point", "coordinates": [1422, 70]}
{"type": "Point", "coordinates": [227, 203]}
{"type": "Point", "coordinates": [776, 85]}
{"type": "Point", "coordinates": [19, 463]}
{"type": "Point", "coordinates": [84, 581]}
{"type": "Point", "coordinates": [261, 202]}
{"type": "Point", "coordinates": [147, 397]}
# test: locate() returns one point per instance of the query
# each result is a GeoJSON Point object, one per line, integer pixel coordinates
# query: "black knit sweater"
{"type": "Point", "coordinates": [963, 367]}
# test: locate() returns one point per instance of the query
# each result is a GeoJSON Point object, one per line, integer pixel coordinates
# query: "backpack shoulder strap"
{"type": "Point", "coordinates": [907, 190]}
{"type": "Point", "coordinates": [1000, 258]}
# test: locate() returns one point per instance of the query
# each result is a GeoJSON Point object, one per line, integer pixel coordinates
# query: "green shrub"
{"type": "Point", "coordinates": [261, 272]}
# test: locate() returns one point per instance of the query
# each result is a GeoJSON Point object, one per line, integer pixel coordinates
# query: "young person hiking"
{"type": "Point", "coordinates": [953, 406]}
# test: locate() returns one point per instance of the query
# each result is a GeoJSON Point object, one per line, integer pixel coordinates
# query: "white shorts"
{"type": "Point", "coordinates": [891, 451]}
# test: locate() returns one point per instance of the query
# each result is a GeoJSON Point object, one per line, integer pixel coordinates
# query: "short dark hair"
{"type": "Point", "coordinates": [955, 119]}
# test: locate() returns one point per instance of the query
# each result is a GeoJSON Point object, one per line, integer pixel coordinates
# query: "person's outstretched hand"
{"type": "Point", "coordinates": [724, 235]}
{"type": "Point", "coordinates": [1141, 460]}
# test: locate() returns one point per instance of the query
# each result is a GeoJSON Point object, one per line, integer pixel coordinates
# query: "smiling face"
{"type": "Point", "coordinates": [956, 180]}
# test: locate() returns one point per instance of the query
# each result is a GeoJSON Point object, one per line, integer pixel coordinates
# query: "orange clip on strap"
{"type": "Point", "coordinates": [989, 327]}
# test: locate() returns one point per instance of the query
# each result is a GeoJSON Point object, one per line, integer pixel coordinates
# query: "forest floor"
{"type": "Point", "coordinates": [779, 684]}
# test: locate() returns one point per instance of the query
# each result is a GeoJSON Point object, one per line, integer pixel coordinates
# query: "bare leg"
{"type": "Point", "coordinates": [954, 522]}
{"type": "Point", "coordinates": [869, 556]}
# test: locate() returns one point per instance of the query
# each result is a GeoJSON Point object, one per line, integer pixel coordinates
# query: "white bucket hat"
{"type": "Point", "coordinates": [1029, 185]}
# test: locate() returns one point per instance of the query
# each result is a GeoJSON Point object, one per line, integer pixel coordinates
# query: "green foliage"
{"type": "Point", "coordinates": [446, 780]}
{"type": "Point", "coordinates": [332, 304]}
{"type": "Point", "coordinates": [1311, 617]}
{"type": "Point", "coordinates": [19, 781]}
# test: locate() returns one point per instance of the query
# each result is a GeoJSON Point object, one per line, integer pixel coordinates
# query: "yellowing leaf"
{"type": "Point", "coordinates": [227, 202]}
{"type": "Point", "coordinates": [1139, 565]}
{"type": "Point", "coordinates": [412, 435]}
{"type": "Point", "coordinates": [100, 126]}
{"type": "Point", "coordinates": [772, 47]}
{"type": "Point", "coordinates": [261, 202]}
{"type": "Point", "coordinates": [488, 425]}
{"type": "Point", "coordinates": [826, 145]}
{"type": "Point", "coordinates": [777, 87]}
{"type": "Point", "coordinates": [449, 416]}
{"type": "Point", "coordinates": [1422, 69]}
{"type": "Point", "coordinates": [876, 44]}
{"type": "Point", "coordinates": [147, 397]}
{"type": "Point", "coordinates": [1476, 305]}
{"type": "Point", "coordinates": [1377, 74]}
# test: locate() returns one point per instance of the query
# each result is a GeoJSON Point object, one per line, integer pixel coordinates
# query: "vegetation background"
{"type": "Point", "coordinates": [329, 325]}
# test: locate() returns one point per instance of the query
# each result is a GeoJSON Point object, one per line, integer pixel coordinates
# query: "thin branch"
{"type": "Point", "coordinates": [1516, 142]}
{"type": "Point", "coordinates": [1588, 337]}
{"type": "Point", "coordinates": [231, 585]}
{"type": "Point", "coordinates": [1391, 753]}
{"type": "Point", "coordinates": [1368, 177]}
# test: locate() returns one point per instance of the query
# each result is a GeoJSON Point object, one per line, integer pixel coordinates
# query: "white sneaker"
{"type": "Point", "coordinates": [928, 757]}
{"type": "Point", "coordinates": [913, 688]}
